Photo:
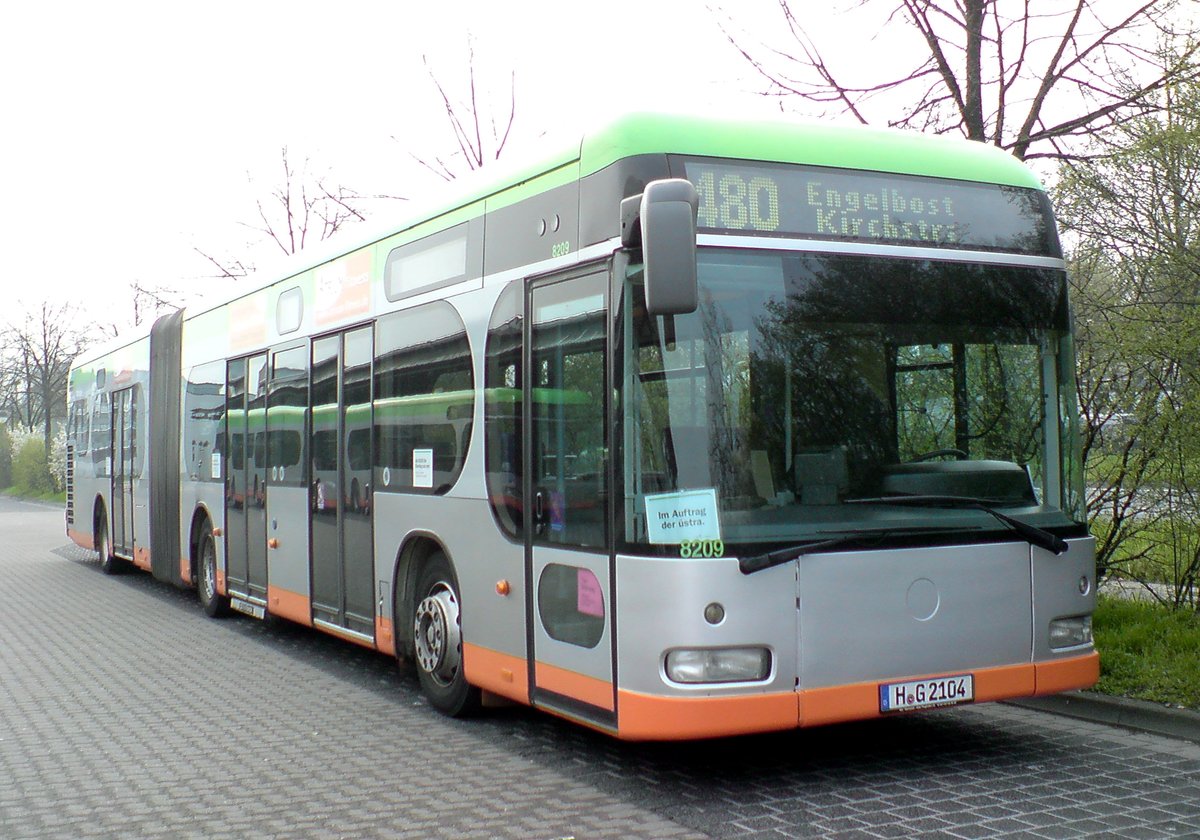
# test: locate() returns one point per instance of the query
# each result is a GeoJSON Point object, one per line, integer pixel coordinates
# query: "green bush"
{"type": "Point", "coordinates": [30, 470]}
{"type": "Point", "coordinates": [6, 476]}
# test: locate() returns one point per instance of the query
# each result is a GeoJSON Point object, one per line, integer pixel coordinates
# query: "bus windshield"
{"type": "Point", "coordinates": [805, 383]}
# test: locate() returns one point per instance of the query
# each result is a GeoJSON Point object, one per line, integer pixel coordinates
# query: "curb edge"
{"type": "Point", "coordinates": [1139, 715]}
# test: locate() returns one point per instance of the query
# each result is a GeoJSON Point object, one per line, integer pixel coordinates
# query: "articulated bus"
{"type": "Point", "coordinates": [699, 428]}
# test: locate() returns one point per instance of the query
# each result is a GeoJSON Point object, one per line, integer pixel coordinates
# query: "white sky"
{"type": "Point", "coordinates": [128, 129]}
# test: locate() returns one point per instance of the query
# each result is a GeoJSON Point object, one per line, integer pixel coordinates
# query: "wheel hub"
{"type": "Point", "coordinates": [437, 635]}
{"type": "Point", "coordinates": [208, 574]}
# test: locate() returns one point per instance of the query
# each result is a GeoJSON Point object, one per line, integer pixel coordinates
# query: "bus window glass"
{"type": "Point", "coordinates": [136, 427]}
{"type": "Point", "coordinates": [356, 423]}
{"type": "Point", "coordinates": [569, 457]}
{"type": "Point", "coordinates": [424, 399]}
{"type": "Point", "coordinates": [428, 263]}
{"type": "Point", "coordinates": [805, 381]}
{"type": "Point", "coordinates": [77, 433]}
{"type": "Point", "coordinates": [571, 605]}
{"type": "Point", "coordinates": [101, 435]}
{"type": "Point", "coordinates": [502, 410]}
{"type": "Point", "coordinates": [287, 416]}
{"type": "Point", "coordinates": [324, 401]}
{"type": "Point", "coordinates": [203, 419]}
{"type": "Point", "coordinates": [289, 311]}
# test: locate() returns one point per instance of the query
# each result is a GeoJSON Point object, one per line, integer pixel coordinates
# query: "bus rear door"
{"type": "Point", "coordinates": [124, 454]}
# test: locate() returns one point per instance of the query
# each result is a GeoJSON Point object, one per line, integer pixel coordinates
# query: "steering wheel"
{"type": "Point", "coordinates": [957, 454]}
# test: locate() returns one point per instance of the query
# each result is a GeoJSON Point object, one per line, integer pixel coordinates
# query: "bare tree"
{"type": "Point", "coordinates": [231, 269]}
{"type": "Point", "coordinates": [304, 208]}
{"type": "Point", "coordinates": [37, 356]}
{"type": "Point", "coordinates": [1027, 77]}
{"type": "Point", "coordinates": [479, 134]}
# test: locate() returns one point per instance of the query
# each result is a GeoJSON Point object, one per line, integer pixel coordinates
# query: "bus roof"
{"type": "Point", "coordinates": [776, 141]}
{"type": "Point", "coordinates": [816, 144]}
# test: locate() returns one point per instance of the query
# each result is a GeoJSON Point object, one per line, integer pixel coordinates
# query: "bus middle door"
{"type": "Point", "coordinates": [288, 589]}
{"type": "Point", "coordinates": [246, 483]}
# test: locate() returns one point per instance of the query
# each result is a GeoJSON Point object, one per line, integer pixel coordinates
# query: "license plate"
{"type": "Point", "coordinates": [926, 694]}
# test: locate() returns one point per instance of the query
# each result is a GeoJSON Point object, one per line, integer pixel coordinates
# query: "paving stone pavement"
{"type": "Point", "coordinates": [124, 712]}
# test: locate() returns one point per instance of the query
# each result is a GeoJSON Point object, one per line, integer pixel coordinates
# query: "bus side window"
{"type": "Point", "coordinates": [101, 435]}
{"type": "Point", "coordinates": [570, 447]}
{"type": "Point", "coordinates": [424, 400]}
{"type": "Point", "coordinates": [502, 411]}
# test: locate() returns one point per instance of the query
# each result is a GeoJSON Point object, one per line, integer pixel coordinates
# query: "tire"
{"type": "Point", "coordinates": [214, 604]}
{"type": "Point", "coordinates": [437, 640]}
{"type": "Point", "coordinates": [109, 564]}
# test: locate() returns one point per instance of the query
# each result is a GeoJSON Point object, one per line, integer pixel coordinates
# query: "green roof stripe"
{"type": "Point", "coordinates": [815, 144]}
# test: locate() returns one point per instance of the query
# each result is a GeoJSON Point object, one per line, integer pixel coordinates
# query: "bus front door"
{"type": "Point", "coordinates": [568, 562]}
{"type": "Point", "coordinates": [340, 502]}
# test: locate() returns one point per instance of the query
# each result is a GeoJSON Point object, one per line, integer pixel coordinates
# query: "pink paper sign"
{"type": "Point", "coordinates": [590, 600]}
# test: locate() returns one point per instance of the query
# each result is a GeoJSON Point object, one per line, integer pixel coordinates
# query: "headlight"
{"type": "Point", "coordinates": [716, 665]}
{"type": "Point", "coordinates": [1069, 632]}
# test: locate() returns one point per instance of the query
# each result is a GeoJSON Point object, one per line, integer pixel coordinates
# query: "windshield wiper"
{"type": "Point", "coordinates": [1030, 533]}
{"type": "Point", "coordinates": [758, 562]}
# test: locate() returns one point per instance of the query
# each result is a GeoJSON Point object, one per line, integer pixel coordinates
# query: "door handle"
{"type": "Point", "coordinates": [539, 512]}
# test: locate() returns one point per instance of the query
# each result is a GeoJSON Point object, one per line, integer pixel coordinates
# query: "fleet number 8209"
{"type": "Point", "coordinates": [690, 549]}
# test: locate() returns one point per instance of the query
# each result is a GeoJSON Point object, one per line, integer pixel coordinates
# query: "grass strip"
{"type": "Point", "coordinates": [1148, 652]}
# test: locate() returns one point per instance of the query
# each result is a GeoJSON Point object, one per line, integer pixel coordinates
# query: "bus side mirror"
{"type": "Point", "coordinates": [665, 217]}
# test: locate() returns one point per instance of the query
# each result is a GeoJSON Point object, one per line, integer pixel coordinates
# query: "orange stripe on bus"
{"type": "Point", "coordinates": [221, 588]}
{"type": "Point", "coordinates": [383, 636]}
{"type": "Point", "coordinates": [290, 605]}
{"type": "Point", "coordinates": [141, 558]}
{"type": "Point", "coordinates": [1068, 674]}
{"type": "Point", "coordinates": [645, 717]}
{"type": "Point", "coordinates": [578, 686]}
{"type": "Point", "coordinates": [499, 673]}
{"type": "Point", "coordinates": [82, 539]}
{"type": "Point", "coordinates": [841, 703]}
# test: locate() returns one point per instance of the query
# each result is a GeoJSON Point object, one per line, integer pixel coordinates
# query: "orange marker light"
{"type": "Point", "coordinates": [272, 543]}
{"type": "Point", "coordinates": [502, 587]}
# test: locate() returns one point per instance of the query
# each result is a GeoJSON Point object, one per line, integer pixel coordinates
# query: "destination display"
{"type": "Point", "coordinates": [790, 200]}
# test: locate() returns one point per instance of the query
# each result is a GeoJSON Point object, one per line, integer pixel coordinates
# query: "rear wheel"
{"type": "Point", "coordinates": [437, 635]}
{"type": "Point", "coordinates": [214, 604]}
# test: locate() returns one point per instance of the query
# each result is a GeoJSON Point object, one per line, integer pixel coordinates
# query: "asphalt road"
{"type": "Point", "coordinates": [124, 712]}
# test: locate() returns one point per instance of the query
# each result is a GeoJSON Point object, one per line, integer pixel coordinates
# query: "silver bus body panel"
{"type": "Point", "coordinates": [660, 606]}
{"type": "Point", "coordinates": [1063, 587]}
{"type": "Point", "coordinates": [874, 615]}
{"type": "Point", "coordinates": [287, 521]}
{"type": "Point", "coordinates": [480, 554]}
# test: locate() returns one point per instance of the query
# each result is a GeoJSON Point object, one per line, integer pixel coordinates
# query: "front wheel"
{"type": "Point", "coordinates": [437, 634]}
{"type": "Point", "coordinates": [214, 604]}
{"type": "Point", "coordinates": [110, 564]}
